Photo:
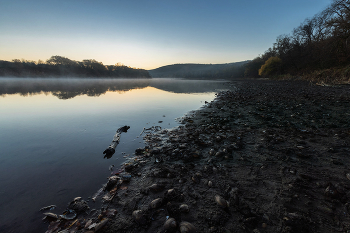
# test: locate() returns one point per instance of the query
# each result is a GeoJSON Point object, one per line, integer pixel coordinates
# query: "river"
{"type": "Point", "coordinates": [53, 133]}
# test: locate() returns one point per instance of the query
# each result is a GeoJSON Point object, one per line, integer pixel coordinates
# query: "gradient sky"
{"type": "Point", "coordinates": [148, 33]}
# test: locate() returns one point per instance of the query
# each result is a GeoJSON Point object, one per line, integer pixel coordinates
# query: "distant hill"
{"type": "Point", "coordinates": [200, 71]}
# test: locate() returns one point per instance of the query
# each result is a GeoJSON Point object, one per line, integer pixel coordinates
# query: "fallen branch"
{"type": "Point", "coordinates": [111, 148]}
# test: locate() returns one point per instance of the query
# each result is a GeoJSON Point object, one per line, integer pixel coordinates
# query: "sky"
{"type": "Point", "coordinates": [148, 33]}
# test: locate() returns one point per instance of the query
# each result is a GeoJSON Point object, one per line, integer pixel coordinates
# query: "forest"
{"type": "Point", "coordinates": [319, 48]}
{"type": "Point", "coordinates": [58, 66]}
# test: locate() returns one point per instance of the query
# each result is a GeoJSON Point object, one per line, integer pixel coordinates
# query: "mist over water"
{"type": "Point", "coordinates": [53, 133]}
{"type": "Point", "coordinates": [65, 88]}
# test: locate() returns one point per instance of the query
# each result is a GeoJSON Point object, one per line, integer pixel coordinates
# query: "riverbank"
{"type": "Point", "coordinates": [325, 77]}
{"type": "Point", "coordinates": [271, 156]}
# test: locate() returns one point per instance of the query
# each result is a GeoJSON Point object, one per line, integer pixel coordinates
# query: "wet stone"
{"type": "Point", "coordinates": [112, 181]}
{"type": "Point", "coordinates": [79, 206]}
{"type": "Point", "coordinates": [139, 151]}
{"type": "Point", "coordinates": [129, 167]}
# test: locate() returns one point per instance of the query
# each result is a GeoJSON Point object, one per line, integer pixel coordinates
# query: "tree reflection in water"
{"type": "Point", "coordinates": [69, 88]}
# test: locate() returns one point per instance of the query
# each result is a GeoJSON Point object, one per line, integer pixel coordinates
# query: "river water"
{"type": "Point", "coordinates": [53, 133]}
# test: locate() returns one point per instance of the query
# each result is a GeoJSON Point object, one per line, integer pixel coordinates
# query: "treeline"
{"type": "Point", "coordinates": [200, 71]}
{"type": "Point", "coordinates": [319, 43]}
{"type": "Point", "coordinates": [58, 66]}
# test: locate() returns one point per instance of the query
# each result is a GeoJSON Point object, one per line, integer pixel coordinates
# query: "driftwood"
{"type": "Point", "coordinates": [111, 148]}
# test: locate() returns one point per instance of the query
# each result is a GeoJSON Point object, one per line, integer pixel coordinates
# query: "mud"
{"type": "Point", "coordinates": [272, 156]}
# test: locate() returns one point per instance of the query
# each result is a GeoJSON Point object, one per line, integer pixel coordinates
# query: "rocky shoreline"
{"type": "Point", "coordinates": [271, 156]}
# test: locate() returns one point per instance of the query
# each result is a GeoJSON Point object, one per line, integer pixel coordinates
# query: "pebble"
{"type": "Point", "coordinates": [77, 199]}
{"type": "Point", "coordinates": [211, 152]}
{"type": "Point", "coordinates": [186, 227]}
{"type": "Point", "coordinates": [348, 176]}
{"type": "Point", "coordinates": [181, 181]}
{"type": "Point", "coordinates": [221, 201]}
{"type": "Point", "coordinates": [184, 208]}
{"type": "Point", "coordinates": [171, 194]}
{"type": "Point", "coordinates": [156, 187]}
{"type": "Point", "coordinates": [51, 207]}
{"type": "Point", "coordinates": [170, 224]}
{"type": "Point", "coordinates": [100, 225]}
{"type": "Point", "coordinates": [155, 204]}
{"type": "Point", "coordinates": [140, 217]}
{"type": "Point", "coordinates": [195, 179]}
{"type": "Point", "coordinates": [112, 181]}
{"type": "Point", "coordinates": [331, 191]}
{"type": "Point", "coordinates": [219, 154]}
{"type": "Point", "coordinates": [50, 216]}
{"type": "Point", "coordinates": [210, 184]}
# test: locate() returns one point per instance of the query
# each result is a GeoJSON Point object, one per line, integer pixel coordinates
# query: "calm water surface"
{"type": "Point", "coordinates": [53, 133]}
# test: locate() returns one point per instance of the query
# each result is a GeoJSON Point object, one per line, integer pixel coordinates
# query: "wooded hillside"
{"type": "Point", "coordinates": [58, 66]}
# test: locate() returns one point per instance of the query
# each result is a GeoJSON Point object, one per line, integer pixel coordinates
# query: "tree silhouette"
{"type": "Point", "coordinates": [58, 66]}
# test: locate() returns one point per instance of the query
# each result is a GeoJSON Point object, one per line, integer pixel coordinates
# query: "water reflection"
{"type": "Point", "coordinates": [57, 139]}
{"type": "Point", "coordinates": [64, 88]}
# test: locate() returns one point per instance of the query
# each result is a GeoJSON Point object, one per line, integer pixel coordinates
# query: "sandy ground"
{"type": "Point", "coordinates": [272, 156]}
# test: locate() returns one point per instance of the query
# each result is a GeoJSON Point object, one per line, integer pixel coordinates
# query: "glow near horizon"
{"type": "Point", "coordinates": [147, 34]}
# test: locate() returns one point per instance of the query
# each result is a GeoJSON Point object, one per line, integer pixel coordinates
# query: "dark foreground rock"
{"type": "Point", "coordinates": [272, 156]}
